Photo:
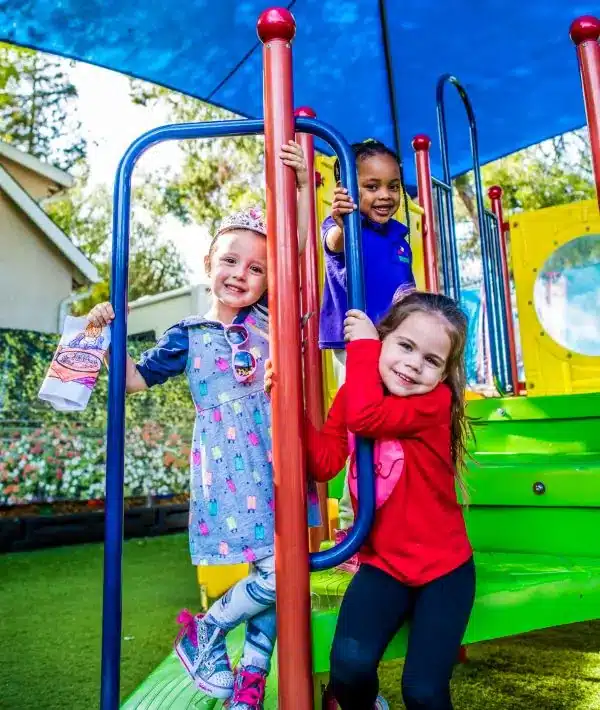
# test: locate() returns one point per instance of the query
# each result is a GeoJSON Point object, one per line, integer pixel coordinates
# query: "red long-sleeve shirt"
{"type": "Point", "coordinates": [419, 532]}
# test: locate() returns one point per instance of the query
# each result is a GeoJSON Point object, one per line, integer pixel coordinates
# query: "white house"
{"type": "Point", "coordinates": [39, 265]}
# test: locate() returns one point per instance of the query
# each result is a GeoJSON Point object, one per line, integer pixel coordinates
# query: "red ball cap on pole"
{"type": "Point", "coordinates": [305, 112]}
{"type": "Point", "coordinates": [585, 28]}
{"type": "Point", "coordinates": [421, 142]}
{"type": "Point", "coordinates": [276, 23]}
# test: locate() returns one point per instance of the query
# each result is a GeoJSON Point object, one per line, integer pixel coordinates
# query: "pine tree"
{"type": "Point", "coordinates": [36, 100]}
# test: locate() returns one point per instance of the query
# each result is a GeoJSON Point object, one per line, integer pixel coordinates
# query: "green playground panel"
{"type": "Point", "coordinates": [515, 593]}
{"type": "Point", "coordinates": [534, 426]}
{"type": "Point", "coordinates": [537, 555]}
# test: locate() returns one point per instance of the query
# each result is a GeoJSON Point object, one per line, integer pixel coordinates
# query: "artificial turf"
{"type": "Point", "coordinates": [50, 627]}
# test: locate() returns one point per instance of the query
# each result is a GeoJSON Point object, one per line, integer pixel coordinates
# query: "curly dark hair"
{"type": "Point", "coordinates": [368, 149]}
{"type": "Point", "coordinates": [362, 151]}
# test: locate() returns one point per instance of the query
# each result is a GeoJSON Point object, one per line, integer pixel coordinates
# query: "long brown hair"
{"type": "Point", "coordinates": [456, 326]}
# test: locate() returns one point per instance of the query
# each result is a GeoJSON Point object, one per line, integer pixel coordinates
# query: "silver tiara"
{"type": "Point", "coordinates": [251, 219]}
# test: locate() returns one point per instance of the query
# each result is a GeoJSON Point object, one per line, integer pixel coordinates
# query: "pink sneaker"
{"type": "Point", "coordinates": [202, 651]}
{"type": "Point", "coordinates": [248, 690]}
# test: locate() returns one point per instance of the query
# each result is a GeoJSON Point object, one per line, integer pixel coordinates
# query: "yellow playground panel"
{"type": "Point", "coordinates": [215, 580]}
{"type": "Point", "coordinates": [556, 266]}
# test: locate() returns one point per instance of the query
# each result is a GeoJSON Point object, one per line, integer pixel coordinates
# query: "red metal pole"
{"type": "Point", "coordinates": [421, 145]}
{"type": "Point", "coordinates": [495, 195]}
{"type": "Point", "coordinates": [276, 28]}
{"type": "Point", "coordinates": [585, 32]}
{"type": "Point", "coordinates": [313, 363]}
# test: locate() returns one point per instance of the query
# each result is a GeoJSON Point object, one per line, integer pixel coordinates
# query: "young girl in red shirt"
{"type": "Point", "coordinates": [405, 384]}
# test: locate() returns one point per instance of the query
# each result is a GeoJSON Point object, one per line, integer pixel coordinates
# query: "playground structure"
{"type": "Point", "coordinates": [536, 489]}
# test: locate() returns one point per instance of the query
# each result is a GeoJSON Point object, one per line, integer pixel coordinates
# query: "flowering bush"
{"type": "Point", "coordinates": [47, 455]}
{"type": "Point", "coordinates": [61, 463]}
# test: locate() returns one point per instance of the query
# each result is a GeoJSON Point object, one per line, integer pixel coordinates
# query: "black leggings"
{"type": "Point", "coordinates": [373, 609]}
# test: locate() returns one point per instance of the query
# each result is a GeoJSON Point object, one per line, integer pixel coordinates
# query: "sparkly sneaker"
{"type": "Point", "coordinates": [248, 691]}
{"type": "Point", "coordinates": [381, 704]}
{"type": "Point", "coordinates": [202, 651]}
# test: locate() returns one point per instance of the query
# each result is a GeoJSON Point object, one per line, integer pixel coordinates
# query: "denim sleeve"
{"type": "Point", "coordinates": [167, 358]}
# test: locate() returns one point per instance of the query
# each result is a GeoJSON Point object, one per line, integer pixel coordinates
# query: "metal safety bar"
{"type": "Point", "coordinates": [442, 199]}
{"type": "Point", "coordinates": [490, 254]}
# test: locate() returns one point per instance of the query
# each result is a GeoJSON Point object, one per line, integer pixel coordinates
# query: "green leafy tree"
{"type": "Point", "coordinates": [155, 264]}
{"type": "Point", "coordinates": [37, 100]}
{"type": "Point", "coordinates": [217, 175]}
{"type": "Point", "coordinates": [555, 172]}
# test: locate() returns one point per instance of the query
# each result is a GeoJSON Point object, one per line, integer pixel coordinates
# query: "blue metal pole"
{"type": "Point", "coordinates": [111, 610]}
{"type": "Point", "coordinates": [115, 464]}
{"type": "Point", "coordinates": [490, 273]}
{"type": "Point", "coordinates": [113, 546]}
{"type": "Point", "coordinates": [452, 245]}
{"type": "Point", "coordinates": [494, 237]}
{"type": "Point", "coordinates": [441, 193]}
{"type": "Point", "coordinates": [356, 299]}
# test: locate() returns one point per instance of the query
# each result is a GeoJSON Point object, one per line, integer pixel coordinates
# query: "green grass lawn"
{"type": "Point", "coordinates": [50, 629]}
{"type": "Point", "coordinates": [51, 603]}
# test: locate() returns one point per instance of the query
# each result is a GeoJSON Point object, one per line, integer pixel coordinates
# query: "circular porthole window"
{"type": "Point", "coordinates": [567, 295]}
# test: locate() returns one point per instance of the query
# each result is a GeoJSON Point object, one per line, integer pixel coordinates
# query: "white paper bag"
{"type": "Point", "coordinates": [75, 366]}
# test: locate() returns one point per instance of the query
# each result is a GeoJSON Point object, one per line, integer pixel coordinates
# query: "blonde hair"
{"type": "Point", "coordinates": [455, 377]}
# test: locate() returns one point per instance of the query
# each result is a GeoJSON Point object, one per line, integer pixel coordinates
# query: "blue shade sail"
{"type": "Point", "coordinates": [514, 57]}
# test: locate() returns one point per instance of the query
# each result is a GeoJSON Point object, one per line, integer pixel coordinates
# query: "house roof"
{"type": "Point", "coordinates": [60, 177]}
{"type": "Point", "coordinates": [36, 214]}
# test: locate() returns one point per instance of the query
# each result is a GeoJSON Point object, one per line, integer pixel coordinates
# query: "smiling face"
{"type": "Point", "coordinates": [237, 267]}
{"type": "Point", "coordinates": [379, 183]}
{"type": "Point", "coordinates": [414, 356]}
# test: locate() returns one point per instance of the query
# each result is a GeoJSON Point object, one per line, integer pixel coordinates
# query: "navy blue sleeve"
{"type": "Point", "coordinates": [167, 358]}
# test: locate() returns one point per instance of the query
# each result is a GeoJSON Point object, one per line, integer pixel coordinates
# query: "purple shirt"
{"type": "Point", "coordinates": [387, 263]}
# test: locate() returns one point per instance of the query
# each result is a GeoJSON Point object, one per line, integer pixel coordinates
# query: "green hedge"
{"type": "Point", "coordinates": [47, 455]}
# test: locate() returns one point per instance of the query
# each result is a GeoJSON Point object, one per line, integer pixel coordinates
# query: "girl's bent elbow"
{"type": "Point", "coordinates": [360, 424]}
{"type": "Point", "coordinates": [138, 385]}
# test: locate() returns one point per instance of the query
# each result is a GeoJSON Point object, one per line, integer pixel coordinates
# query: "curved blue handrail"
{"type": "Point", "coordinates": [494, 293]}
{"type": "Point", "coordinates": [356, 299]}
{"type": "Point", "coordinates": [113, 548]}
